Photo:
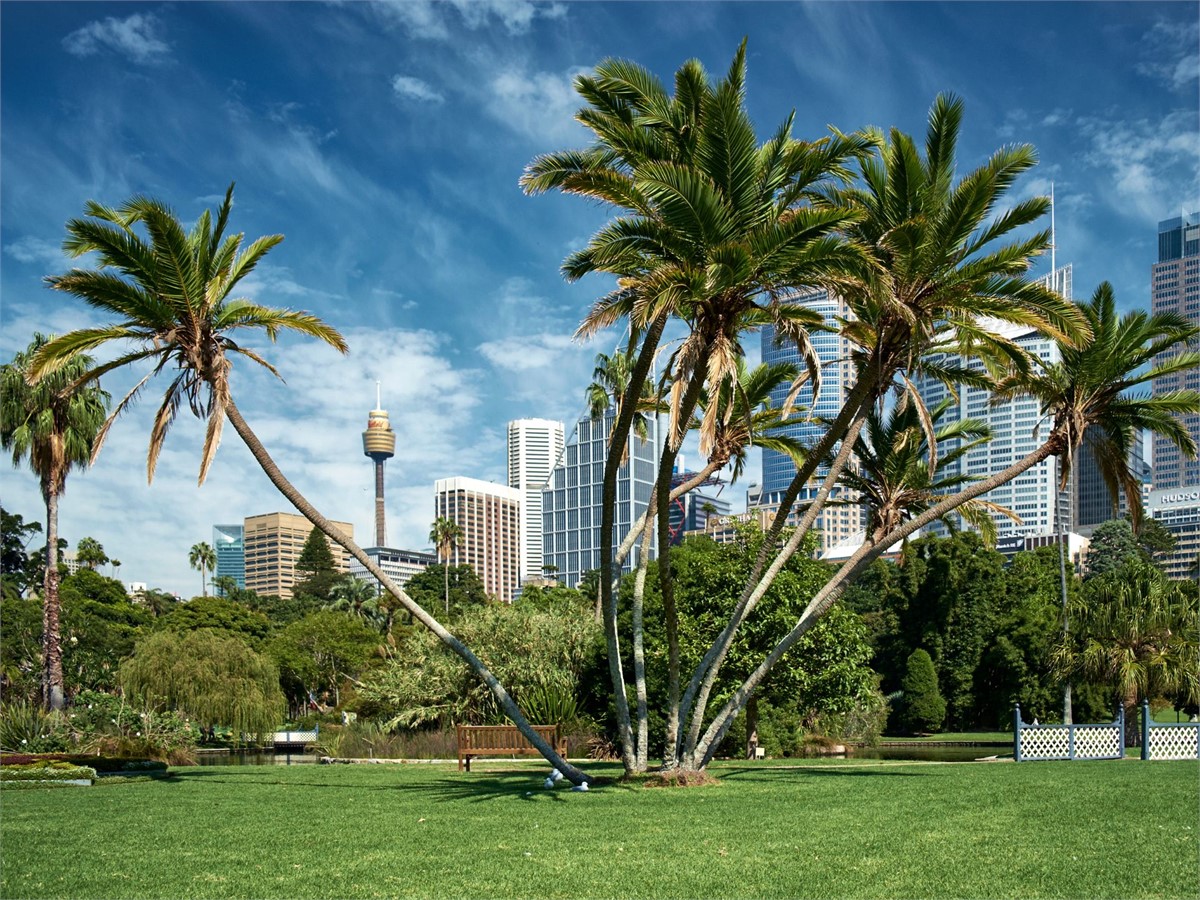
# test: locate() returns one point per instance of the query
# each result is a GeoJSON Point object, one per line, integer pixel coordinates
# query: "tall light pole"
{"type": "Point", "coordinates": [379, 444]}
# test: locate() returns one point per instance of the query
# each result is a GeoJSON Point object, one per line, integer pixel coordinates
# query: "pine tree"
{"type": "Point", "coordinates": [316, 572]}
{"type": "Point", "coordinates": [923, 707]}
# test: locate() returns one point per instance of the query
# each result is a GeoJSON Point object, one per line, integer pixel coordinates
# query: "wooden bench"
{"type": "Point", "coordinates": [503, 740]}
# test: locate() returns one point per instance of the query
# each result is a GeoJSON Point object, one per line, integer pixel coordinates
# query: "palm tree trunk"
{"type": "Point", "coordinates": [642, 754]}
{"type": "Point", "coordinates": [608, 572]}
{"type": "Point", "coordinates": [834, 588]}
{"type": "Point", "coordinates": [446, 576]}
{"type": "Point", "coordinates": [503, 698]}
{"type": "Point", "coordinates": [705, 676]}
{"type": "Point", "coordinates": [53, 695]}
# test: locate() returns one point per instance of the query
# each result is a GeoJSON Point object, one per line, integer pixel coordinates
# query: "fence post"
{"type": "Point", "coordinates": [1145, 729]}
{"type": "Point", "coordinates": [1017, 732]}
{"type": "Point", "coordinates": [1070, 741]}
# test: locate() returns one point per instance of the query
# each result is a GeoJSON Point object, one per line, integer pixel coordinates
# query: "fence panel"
{"type": "Point", "coordinates": [1162, 740]}
{"type": "Point", "coordinates": [1042, 742]}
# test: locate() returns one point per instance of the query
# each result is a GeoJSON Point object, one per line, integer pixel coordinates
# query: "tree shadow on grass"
{"type": "Point", "coordinates": [526, 784]}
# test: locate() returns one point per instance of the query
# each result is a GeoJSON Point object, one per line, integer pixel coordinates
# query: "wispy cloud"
{"type": "Point", "coordinates": [35, 251]}
{"type": "Point", "coordinates": [1169, 53]}
{"type": "Point", "coordinates": [435, 20]}
{"type": "Point", "coordinates": [135, 37]}
{"type": "Point", "coordinates": [538, 105]}
{"type": "Point", "coordinates": [521, 353]}
{"type": "Point", "coordinates": [415, 89]}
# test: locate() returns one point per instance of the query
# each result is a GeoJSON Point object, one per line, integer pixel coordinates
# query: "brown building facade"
{"type": "Point", "coordinates": [272, 545]}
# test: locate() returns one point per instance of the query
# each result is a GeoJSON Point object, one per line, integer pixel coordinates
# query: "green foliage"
{"type": "Point", "coordinates": [317, 653]}
{"type": "Point", "coordinates": [528, 649]}
{"type": "Point", "coordinates": [1113, 545]}
{"type": "Point", "coordinates": [100, 627]}
{"type": "Point", "coordinates": [219, 613]}
{"type": "Point", "coordinates": [17, 570]}
{"type": "Point", "coordinates": [428, 587]}
{"type": "Point", "coordinates": [1154, 540]}
{"type": "Point", "coordinates": [316, 572]}
{"type": "Point", "coordinates": [20, 648]}
{"type": "Point", "coordinates": [105, 724]}
{"type": "Point", "coordinates": [922, 707]}
{"type": "Point", "coordinates": [213, 678]}
{"type": "Point", "coordinates": [90, 552]}
{"type": "Point", "coordinates": [27, 728]}
{"type": "Point", "coordinates": [47, 771]}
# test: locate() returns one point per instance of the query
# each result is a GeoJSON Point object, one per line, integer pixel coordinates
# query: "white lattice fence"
{"type": "Point", "coordinates": [1167, 741]}
{"type": "Point", "coordinates": [1033, 742]}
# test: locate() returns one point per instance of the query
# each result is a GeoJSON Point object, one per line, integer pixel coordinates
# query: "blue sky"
{"type": "Point", "coordinates": [385, 140]}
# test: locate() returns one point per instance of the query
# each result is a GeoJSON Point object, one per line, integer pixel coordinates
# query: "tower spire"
{"type": "Point", "coordinates": [379, 444]}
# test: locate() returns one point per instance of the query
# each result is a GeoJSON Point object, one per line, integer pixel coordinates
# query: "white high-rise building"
{"type": "Point", "coordinates": [489, 515]}
{"type": "Point", "coordinates": [1015, 434]}
{"type": "Point", "coordinates": [534, 448]}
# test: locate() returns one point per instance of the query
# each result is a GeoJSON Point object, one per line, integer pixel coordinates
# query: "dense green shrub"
{"type": "Point", "coordinates": [860, 725]}
{"type": "Point", "coordinates": [46, 771]}
{"type": "Point", "coordinates": [922, 706]}
{"type": "Point", "coordinates": [104, 765]}
{"type": "Point", "coordinates": [27, 728]}
{"type": "Point", "coordinates": [103, 723]}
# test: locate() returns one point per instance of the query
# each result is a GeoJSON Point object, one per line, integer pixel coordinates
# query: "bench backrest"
{"type": "Point", "coordinates": [502, 738]}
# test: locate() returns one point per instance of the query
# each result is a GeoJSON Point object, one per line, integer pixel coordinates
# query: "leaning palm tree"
{"type": "Point", "coordinates": [947, 262]}
{"type": "Point", "coordinates": [203, 558]}
{"type": "Point", "coordinates": [1094, 384]}
{"type": "Point", "coordinates": [54, 425]}
{"type": "Point", "coordinates": [172, 293]}
{"type": "Point", "coordinates": [446, 536]}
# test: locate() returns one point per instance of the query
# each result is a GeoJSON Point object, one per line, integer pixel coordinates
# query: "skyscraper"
{"type": "Point", "coordinates": [1175, 288]}
{"type": "Point", "coordinates": [231, 553]}
{"type": "Point", "coordinates": [1015, 429]}
{"type": "Point", "coordinates": [836, 523]}
{"type": "Point", "coordinates": [273, 542]}
{"type": "Point", "coordinates": [489, 515]}
{"type": "Point", "coordinates": [534, 448]}
{"type": "Point", "coordinates": [571, 505]}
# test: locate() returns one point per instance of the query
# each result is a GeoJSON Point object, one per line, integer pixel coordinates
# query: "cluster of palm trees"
{"type": "Point", "coordinates": [713, 234]}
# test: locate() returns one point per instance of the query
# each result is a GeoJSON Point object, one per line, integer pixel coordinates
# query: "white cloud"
{"type": "Point", "coordinates": [35, 250]}
{"type": "Point", "coordinates": [1150, 166]}
{"type": "Point", "coordinates": [135, 37]}
{"type": "Point", "coordinates": [1169, 53]}
{"type": "Point", "coordinates": [520, 353]}
{"type": "Point", "coordinates": [433, 20]}
{"type": "Point", "coordinates": [539, 105]}
{"type": "Point", "coordinates": [415, 89]}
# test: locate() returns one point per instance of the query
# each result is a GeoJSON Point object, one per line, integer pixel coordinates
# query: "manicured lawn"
{"type": "Point", "coordinates": [833, 829]}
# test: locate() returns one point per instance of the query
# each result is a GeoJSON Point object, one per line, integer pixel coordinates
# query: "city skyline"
{"type": "Point", "coordinates": [385, 141]}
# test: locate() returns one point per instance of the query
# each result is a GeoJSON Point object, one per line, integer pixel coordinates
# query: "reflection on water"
{"type": "Point", "coordinates": [255, 758]}
{"type": "Point", "coordinates": [932, 754]}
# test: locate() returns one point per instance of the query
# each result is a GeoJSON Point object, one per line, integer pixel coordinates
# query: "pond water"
{"type": "Point", "coordinates": [255, 758]}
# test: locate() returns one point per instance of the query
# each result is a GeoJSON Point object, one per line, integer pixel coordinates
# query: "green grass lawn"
{"type": "Point", "coordinates": [831, 829]}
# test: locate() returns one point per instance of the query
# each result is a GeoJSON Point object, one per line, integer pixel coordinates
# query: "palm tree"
{"type": "Point", "coordinates": [90, 552]}
{"type": "Point", "coordinates": [714, 231]}
{"type": "Point", "coordinates": [1093, 385]}
{"type": "Point", "coordinates": [53, 424]}
{"type": "Point", "coordinates": [352, 595]}
{"type": "Point", "coordinates": [610, 383]}
{"type": "Point", "coordinates": [204, 558]}
{"type": "Point", "coordinates": [446, 536]}
{"type": "Point", "coordinates": [1138, 633]}
{"type": "Point", "coordinates": [172, 294]}
{"type": "Point", "coordinates": [900, 475]}
{"type": "Point", "coordinates": [944, 267]}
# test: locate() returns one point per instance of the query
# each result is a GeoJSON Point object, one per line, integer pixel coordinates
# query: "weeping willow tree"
{"type": "Point", "coordinates": [215, 680]}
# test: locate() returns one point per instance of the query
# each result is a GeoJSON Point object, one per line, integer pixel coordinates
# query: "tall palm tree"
{"type": "Point", "coordinates": [203, 558]}
{"type": "Point", "coordinates": [54, 425]}
{"type": "Point", "coordinates": [1093, 385]}
{"type": "Point", "coordinates": [942, 262]}
{"type": "Point", "coordinates": [446, 536]}
{"type": "Point", "coordinates": [714, 231]}
{"type": "Point", "coordinates": [610, 383]}
{"type": "Point", "coordinates": [171, 292]}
